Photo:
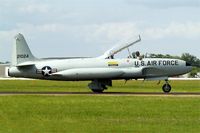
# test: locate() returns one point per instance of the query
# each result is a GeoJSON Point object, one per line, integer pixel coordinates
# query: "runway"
{"type": "Point", "coordinates": [105, 93]}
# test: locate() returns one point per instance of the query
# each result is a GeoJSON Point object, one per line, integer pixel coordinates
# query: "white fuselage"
{"type": "Point", "coordinates": [95, 68]}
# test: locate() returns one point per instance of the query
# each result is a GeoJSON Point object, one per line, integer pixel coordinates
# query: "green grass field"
{"type": "Point", "coordinates": [98, 113]}
{"type": "Point", "coordinates": [118, 86]}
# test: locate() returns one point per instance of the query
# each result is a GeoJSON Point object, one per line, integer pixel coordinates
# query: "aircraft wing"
{"type": "Point", "coordinates": [25, 64]}
{"type": "Point", "coordinates": [117, 48]}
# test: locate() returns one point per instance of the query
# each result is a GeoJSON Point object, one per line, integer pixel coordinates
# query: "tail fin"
{"type": "Point", "coordinates": [21, 52]}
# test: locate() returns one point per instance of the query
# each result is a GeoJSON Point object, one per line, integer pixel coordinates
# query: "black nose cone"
{"type": "Point", "coordinates": [188, 64]}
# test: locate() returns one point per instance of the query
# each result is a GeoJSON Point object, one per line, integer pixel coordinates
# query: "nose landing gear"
{"type": "Point", "coordinates": [166, 87]}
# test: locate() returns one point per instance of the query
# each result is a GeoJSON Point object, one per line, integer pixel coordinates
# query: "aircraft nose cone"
{"type": "Point", "coordinates": [188, 66]}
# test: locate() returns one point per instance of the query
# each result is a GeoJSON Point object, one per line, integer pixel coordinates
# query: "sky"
{"type": "Point", "coordinates": [68, 28]}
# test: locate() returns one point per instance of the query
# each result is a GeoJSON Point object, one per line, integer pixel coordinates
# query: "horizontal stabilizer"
{"type": "Point", "coordinates": [25, 64]}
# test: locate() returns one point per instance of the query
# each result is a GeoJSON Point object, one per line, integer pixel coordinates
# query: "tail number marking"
{"type": "Point", "coordinates": [22, 56]}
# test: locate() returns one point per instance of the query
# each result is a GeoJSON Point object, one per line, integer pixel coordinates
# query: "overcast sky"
{"type": "Point", "coordinates": [63, 28]}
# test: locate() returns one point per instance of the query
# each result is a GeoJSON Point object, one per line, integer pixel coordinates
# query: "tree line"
{"type": "Point", "coordinates": [7, 62]}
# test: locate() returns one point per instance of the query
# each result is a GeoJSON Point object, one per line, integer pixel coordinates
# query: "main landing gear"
{"type": "Point", "coordinates": [166, 87]}
{"type": "Point", "coordinates": [98, 86]}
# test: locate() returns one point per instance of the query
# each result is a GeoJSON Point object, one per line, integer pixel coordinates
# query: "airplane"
{"type": "Point", "coordinates": [100, 70]}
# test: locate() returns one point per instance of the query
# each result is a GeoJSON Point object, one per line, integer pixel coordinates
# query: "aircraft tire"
{"type": "Point", "coordinates": [97, 91]}
{"type": "Point", "coordinates": [166, 88]}
{"type": "Point", "coordinates": [104, 87]}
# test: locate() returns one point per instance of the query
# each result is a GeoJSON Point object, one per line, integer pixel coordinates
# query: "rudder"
{"type": "Point", "coordinates": [21, 52]}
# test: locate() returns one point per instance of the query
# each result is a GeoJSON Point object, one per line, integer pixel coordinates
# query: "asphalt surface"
{"type": "Point", "coordinates": [105, 93]}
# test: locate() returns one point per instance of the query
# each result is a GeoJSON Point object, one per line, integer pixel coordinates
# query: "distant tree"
{"type": "Point", "coordinates": [163, 56]}
{"type": "Point", "coordinates": [194, 72]}
{"type": "Point", "coordinates": [7, 62]}
{"type": "Point", "coordinates": [193, 60]}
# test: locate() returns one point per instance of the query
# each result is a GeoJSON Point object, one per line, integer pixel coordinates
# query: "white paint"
{"type": "Point", "coordinates": [6, 71]}
{"type": "Point", "coordinates": [184, 78]}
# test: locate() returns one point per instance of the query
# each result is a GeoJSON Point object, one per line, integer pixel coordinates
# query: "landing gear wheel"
{"type": "Point", "coordinates": [104, 87]}
{"type": "Point", "coordinates": [98, 86]}
{"type": "Point", "coordinates": [166, 88]}
{"type": "Point", "coordinates": [97, 91]}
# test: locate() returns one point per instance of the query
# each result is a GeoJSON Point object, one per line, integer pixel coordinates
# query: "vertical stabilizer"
{"type": "Point", "coordinates": [21, 52]}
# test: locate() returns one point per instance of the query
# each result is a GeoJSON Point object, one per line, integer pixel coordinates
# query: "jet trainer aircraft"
{"type": "Point", "coordinates": [100, 70]}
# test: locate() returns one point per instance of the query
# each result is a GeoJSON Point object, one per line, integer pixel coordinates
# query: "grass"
{"type": "Point", "coordinates": [52, 114]}
{"type": "Point", "coordinates": [120, 85]}
{"type": "Point", "coordinates": [98, 113]}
